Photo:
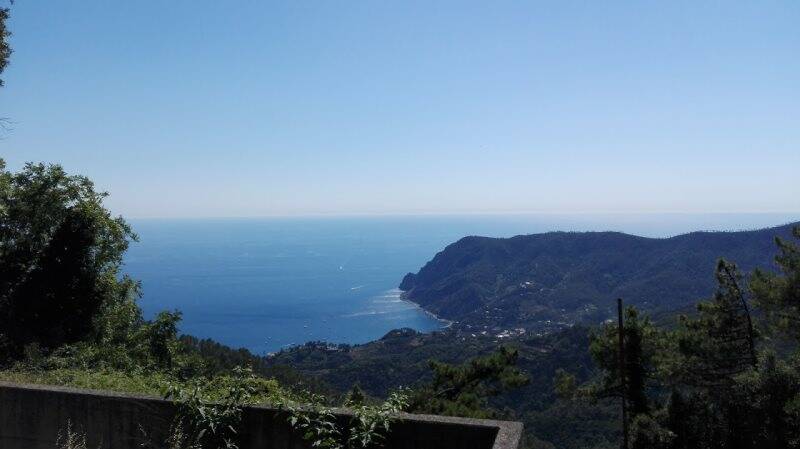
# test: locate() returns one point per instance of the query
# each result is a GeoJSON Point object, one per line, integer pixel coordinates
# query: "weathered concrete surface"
{"type": "Point", "coordinates": [31, 417]}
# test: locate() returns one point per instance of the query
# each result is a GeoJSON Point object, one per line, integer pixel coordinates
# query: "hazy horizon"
{"type": "Point", "coordinates": [655, 225]}
{"type": "Point", "coordinates": [779, 213]}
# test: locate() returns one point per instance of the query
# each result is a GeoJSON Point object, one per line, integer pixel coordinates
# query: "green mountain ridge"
{"type": "Point", "coordinates": [543, 282]}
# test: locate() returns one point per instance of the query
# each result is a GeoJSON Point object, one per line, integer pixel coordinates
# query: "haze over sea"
{"type": "Point", "coordinates": [268, 283]}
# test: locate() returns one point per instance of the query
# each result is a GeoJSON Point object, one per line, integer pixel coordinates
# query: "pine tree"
{"type": "Point", "coordinates": [640, 340]}
{"type": "Point", "coordinates": [719, 343]}
{"type": "Point", "coordinates": [355, 397]}
{"type": "Point", "coordinates": [464, 390]}
{"type": "Point", "coordinates": [779, 294]}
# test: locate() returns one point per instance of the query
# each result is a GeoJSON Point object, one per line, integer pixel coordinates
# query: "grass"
{"type": "Point", "coordinates": [150, 383]}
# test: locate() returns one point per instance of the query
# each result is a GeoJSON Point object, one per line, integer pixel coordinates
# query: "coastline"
{"type": "Point", "coordinates": [447, 323]}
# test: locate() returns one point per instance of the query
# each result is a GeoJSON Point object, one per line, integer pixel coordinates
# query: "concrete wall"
{"type": "Point", "coordinates": [31, 417]}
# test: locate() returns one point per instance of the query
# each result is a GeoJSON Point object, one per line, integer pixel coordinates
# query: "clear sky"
{"type": "Point", "coordinates": [197, 109]}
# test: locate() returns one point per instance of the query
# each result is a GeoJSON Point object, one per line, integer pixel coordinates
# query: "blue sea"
{"type": "Point", "coordinates": [270, 283]}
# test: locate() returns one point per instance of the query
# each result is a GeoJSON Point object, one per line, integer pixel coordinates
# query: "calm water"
{"type": "Point", "coordinates": [265, 284]}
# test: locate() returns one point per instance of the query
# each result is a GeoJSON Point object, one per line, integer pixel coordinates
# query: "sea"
{"type": "Point", "coordinates": [268, 284]}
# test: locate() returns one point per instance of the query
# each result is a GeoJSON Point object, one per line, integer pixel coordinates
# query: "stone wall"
{"type": "Point", "coordinates": [31, 417]}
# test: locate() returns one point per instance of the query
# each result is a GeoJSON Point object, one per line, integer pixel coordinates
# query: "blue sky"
{"type": "Point", "coordinates": [197, 109]}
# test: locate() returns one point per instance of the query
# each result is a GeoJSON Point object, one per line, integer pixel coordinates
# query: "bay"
{"type": "Point", "coordinates": [269, 283]}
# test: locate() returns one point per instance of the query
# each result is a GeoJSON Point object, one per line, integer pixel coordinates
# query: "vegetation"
{"type": "Point", "coordinates": [368, 427]}
{"type": "Point", "coordinates": [120, 381]}
{"type": "Point", "coordinates": [674, 368]}
{"type": "Point", "coordinates": [60, 257]}
{"type": "Point", "coordinates": [371, 424]}
{"type": "Point", "coordinates": [712, 381]}
{"type": "Point", "coordinates": [5, 55]}
{"type": "Point", "coordinates": [5, 48]}
{"type": "Point", "coordinates": [638, 366]}
{"type": "Point", "coordinates": [777, 294]}
{"type": "Point", "coordinates": [403, 357]}
{"type": "Point", "coordinates": [209, 413]}
{"type": "Point", "coordinates": [464, 390]}
{"type": "Point", "coordinates": [545, 282]}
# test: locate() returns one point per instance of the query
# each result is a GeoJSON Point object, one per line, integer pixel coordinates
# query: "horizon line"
{"type": "Point", "coordinates": [452, 214]}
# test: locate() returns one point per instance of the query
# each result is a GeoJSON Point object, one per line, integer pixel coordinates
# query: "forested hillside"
{"type": "Point", "coordinates": [401, 359]}
{"type": "Point", "coordinates": [546, 281]}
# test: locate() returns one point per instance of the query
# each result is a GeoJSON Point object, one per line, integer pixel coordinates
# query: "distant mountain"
{"type": "Point", "coordinates": [552, 280]}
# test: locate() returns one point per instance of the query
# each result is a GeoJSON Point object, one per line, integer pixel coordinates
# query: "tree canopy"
{"type": "Point", "coordinates": [60, 257]}
{"type": "Point", "coordinates": [5, 47]}
{"type": "Point", "coordinates": [778, 294]}
{"type": "Point", "coordinates": [463, 390]}
{"type": "Point", "coordinates": [713, 380]}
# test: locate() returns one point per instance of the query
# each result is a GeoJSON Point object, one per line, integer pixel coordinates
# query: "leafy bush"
{"type": "Point", "coordinates": [209, 413]}
{"type": "Point", "coordinates": [317, 423]}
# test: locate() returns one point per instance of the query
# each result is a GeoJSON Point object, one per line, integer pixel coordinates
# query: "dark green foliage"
{"type": "Point", "coordinates": [60, 258]}
{"type": "Point", "coordinates": [401, 358]}
{"type": "Point", "coordinates": [704, 367]}
{"type": "Point", "coordinates": [220, 358]}
{"type": "Point", "coordinates": [54, 300]}
{"type": "Point", "coordinates": [569, 424]}
{"type": "Point", "coordinates": [779, 294]}
{"type": "Point", "coordinates": [573, 277]}
{"type": "Point", "coordinates": [726, 390]}
{"type": "Point", "coordinates": [162, 334]}
{"type": "Point", "coordinates": [647, 433]}
{"type": "Point", "coordinates": [565, 384]}
{"type": "Point", "coordinates": [640, 347]}
{"type": "Point", "coordinates": [770, 400]}
{"type": "Point", "coordinates": [758, 410]}
{"type": "Point", "coordinates": [719, 343]}
{"type": "Point", "coordinates": [212, 358]}
{"type": "Point", "coordinates": [677, 420]}
{"type": "Point", "coordinates": [464, 390]}
{"type": "Point", "coordinates": [355, 397]}
{"type": "Point", "coordinates": [5, 48]}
